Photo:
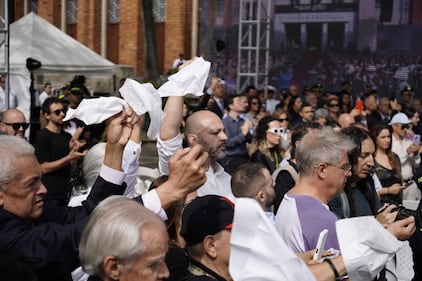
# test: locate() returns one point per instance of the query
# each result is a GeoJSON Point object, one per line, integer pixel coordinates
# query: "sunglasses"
{"type": "Point", "coordinates": [334, 105]}
{"type": "Point", "coordinates": [276, 131]}
{"type": "Point", "coordinates": [254, 103]}
{"type": "Point", "coordinates": [58, 111]}
{"type": "Point", "coordinates": [283, 119]}
{"type": "Point", "coordinates": [405, 126]}
{"type": "Point", "coordinates": [16, 126]}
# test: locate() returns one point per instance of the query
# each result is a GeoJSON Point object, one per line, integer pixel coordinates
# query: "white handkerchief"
{"type": "Point", "coordinates": [365, 246]}
{"type": "Point", "coordinates": [95, 111]}
{"type": "Point", "coordinates": [189, 80]}
{"type": "Point", "coordinates": [257, 250]}
{"type": "Point", "coordinates": [144, 98]}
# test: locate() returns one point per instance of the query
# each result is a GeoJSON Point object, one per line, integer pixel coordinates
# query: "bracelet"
{"type": "Point", "coordinates": [333, 268]}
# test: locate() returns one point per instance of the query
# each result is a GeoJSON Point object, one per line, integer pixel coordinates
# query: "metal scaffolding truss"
{"type": "Point", "coordinates": [4, 41]}
{"type": "Point", "coordinates": [254, 43]}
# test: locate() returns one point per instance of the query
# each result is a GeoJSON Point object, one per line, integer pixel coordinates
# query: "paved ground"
{"type": "Point", "coordinates": [149, 157]}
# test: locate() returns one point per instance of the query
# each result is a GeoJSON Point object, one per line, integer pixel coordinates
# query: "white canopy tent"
{"type": "Point", "coordinates": [33, 37]}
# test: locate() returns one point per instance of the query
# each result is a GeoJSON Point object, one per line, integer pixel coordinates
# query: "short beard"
{"type": "Point", "coordinates": [214, 155]}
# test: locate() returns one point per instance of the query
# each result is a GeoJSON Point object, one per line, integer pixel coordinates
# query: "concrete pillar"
{"type": "Point", "coordinates": [303, 35]}
{"type": "Point", "coordinates": [324, 36]}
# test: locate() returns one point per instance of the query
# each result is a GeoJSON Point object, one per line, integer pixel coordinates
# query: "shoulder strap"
{"type": "Point", "coordinates": [345, 207]}
{"type": "Point", "coordinates": [287, 168]}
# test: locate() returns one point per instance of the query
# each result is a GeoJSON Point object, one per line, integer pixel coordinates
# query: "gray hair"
{"type": "Point", "coordinates": [321, 145]}
{"type": "Point", "coordinates": [114, 229]}
{"type": "Point", "coordinates": [11, 147]}
{"type": "Point", "coordinates": [321, 113]}
{"type": "Point", "coordinates": [92, 163]}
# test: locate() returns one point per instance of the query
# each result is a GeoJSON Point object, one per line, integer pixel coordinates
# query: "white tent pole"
{"type": "Point", "coordinates": [104, 28]}
{"type": "Point", "coordinates": [63, 17]}
{"type": "Point", "coordinates": [7, 54]}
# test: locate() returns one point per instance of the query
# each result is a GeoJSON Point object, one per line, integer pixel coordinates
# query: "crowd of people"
{"type": "Point", "coordinates": [308, 159]}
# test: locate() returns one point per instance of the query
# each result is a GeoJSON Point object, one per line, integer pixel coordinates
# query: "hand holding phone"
{"type": "Point", "coordinates": [320, 245]}
{"type": "Point", "coordinates": [359, 105]}
{"type": "Point", "coordinates": [417, 139]}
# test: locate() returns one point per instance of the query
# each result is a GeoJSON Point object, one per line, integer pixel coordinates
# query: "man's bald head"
{"type": "Point", "coordinates": [345, 120]}
{"type": "Point", "coordinates": [200, 120]}
{"type": "Point", "coordinates": [10, 119]}
{"type": "Point", "coordinates": [206, 128]}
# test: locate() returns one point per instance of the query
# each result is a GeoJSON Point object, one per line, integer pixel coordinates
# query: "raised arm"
{"type": "Point", "coordinates": [172, 120]}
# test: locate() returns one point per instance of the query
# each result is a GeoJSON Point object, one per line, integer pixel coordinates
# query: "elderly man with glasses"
{"type": "Point", "coordinates": [408, 152]}
{"type": "Point", "coordinates": [324, 169]}
{"type": "Point", "coordinates": [13, 123]}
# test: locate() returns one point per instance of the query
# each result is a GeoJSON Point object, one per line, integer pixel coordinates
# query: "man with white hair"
{"type": "Point", "coordinates": [122, 240]}
{"type": "Point", "coordinates": [48, 242]}
{"type": "Point", "coordinates": [407, 151]}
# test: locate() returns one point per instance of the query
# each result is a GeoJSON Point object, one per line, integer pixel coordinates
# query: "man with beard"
{"type": "Point", "coordinates": [202, 127]}
{"type": "Point", "coordinates": [253, 180]}
{"type": "Point", "coordinates": [56, 151]}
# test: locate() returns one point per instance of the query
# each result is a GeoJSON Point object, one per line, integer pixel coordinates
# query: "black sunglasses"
{"type": "Point", "coordinates": [283, 119]}
{"type": "Point", "coordinates": [57, 112]}
{"type": "Point", "coordinates": [16, 126]}
{"type": "Point", "coordinates": [334, 105]}
{"type": "Point", "coordinates": [405, 126]}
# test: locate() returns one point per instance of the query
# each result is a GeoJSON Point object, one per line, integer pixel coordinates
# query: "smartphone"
{"type": "Point", "coordinates": [320, 245]}
{"type": "Point", "coordinates": [417, 139]}
{"type": "Point", "coordinates": [359, 105]}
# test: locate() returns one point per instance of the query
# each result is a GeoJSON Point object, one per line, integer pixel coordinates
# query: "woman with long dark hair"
{"type": "Point", "coordinates": [265, 147]}
{"type": "Point", "coordinates": [387, 165]}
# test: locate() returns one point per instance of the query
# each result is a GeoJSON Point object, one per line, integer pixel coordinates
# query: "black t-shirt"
{"type": "Point", "coordinates": [50, 147]}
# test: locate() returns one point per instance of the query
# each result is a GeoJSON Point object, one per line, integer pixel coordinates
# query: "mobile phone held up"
{"type": "Point", "coordinates": [359, 105]}
{"type": "Point", "coordinates": [320, 245]}
{"type": "Point", "coordinates": [417, 139]}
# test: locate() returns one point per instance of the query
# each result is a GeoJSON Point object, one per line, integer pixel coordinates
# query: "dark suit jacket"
{"type": "Point", "coordinates": [203, 104]}
{"type": "Point", "coordinates": [50, 245]}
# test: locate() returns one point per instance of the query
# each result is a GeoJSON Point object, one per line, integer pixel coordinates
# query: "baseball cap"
{"type": "Point", "coordinates": [271, 88]}
{"type": "Point", "coordinates": [406, 89]}
{"type": "Point", "coordinates": [206, 215]}
{"type": "Point", "coordinates": [400, 118]}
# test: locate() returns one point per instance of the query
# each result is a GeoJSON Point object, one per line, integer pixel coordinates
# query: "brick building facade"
{"type": "Point", "coordinates": [124, 38]}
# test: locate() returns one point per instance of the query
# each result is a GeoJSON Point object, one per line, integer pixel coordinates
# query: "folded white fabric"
{"type": "Point", "coordinates": [144, 98]}
{"type": "Point", "coordinates": [190, 79]}
{"type": "Point", "coordinates": [95, 111]}
{"type": "Point", "coordinates": [257, 250]}
{"type": "Point", "coordinates": [365, 246]}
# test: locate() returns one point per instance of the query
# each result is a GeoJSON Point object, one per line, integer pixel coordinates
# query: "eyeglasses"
{"type": "Point", "coordinates": [16, 126]}
{"type": "Point", "coordinates": [276, 131]}
{"type": "Point", "coordinates": [405, 126]}
{"type": "Point", "coordinates": [347, 168]}
{"type": "Point", "coordinates": [283, 119]}
{"type": "Point", "coordinates": [58, 111]}
{"type": "Point", "coordinates": [334, 105]}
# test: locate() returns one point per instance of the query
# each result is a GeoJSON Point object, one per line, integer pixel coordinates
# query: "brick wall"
{"type": "Point", "coordinates": [88, 24]}
{"type": "Point", "coordinates": [177, 30]}
{"type": "Point", "coordinates": [131, 47]}
{"type": "Point", "coordinates": [50, 10]}
{"type": "Point", "coordinates": [174, 34]}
